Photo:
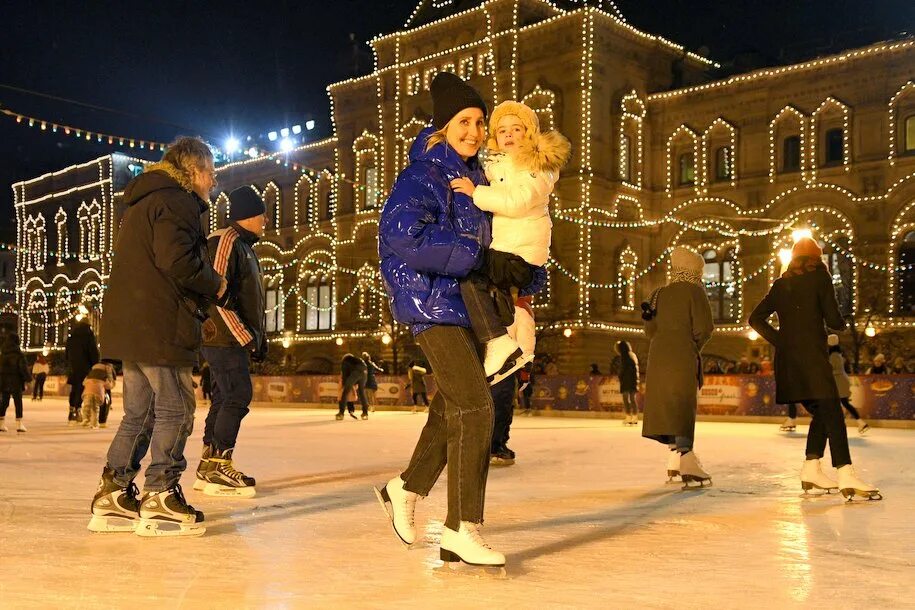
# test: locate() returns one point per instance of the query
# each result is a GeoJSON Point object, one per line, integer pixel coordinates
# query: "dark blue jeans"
{"type": "Point", "coordinates": [230, 377]}
{"type": "Point", "coordinates": [158, 417]}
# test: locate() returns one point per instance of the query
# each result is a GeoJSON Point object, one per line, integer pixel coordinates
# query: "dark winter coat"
{"type": "Point", "coordinates": [81, 352]}
{"type": "Point", "coordinates": [351, 364]}
{"type": "Point", "coordinates": [806, 304]}
{"type": "Point", "coordinates": [243, 321]}
{"type": "Point", "coordinates": [629, 374]}
{"type": "Point", "coordinates": [678, 332]}
{"type": "Point", "coordinates": [371, 383]}
{"type": "Point", "coordinates": [161, 276]}
{"type": "Point", "coordinates": [430, 236]}
{"type": "Point", "coordinates": [14, 370]}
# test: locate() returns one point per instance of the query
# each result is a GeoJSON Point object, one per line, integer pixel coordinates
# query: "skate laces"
{"type": "Point", "coordinates": [229, 470]}
{"type": "Point", "coordinates": [178, 494]}
{"type": "Point", "coordinates": [473, 531]}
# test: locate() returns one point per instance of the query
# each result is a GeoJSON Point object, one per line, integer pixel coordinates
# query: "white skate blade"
{"type": "Point", "coordinates": [224, 491]}
{"type": "Point", "coordinates": [452, 563]}
{"type": "Point", "coordinates": [151, 528]}
{"type": "Point", "coordinates": [199, 484]}
{"type": "Point", "coordinates": [99, 524]}
{"type": "Point", "coordinates": [693, 482]}
{"type": "Point", "coordinates": [809, 486]}
{"type": "Point", "coordinates": [522, 360]}
{"type": "Point", "coordinates": [500, 462]}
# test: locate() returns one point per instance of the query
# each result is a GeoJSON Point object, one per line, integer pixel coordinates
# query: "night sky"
{"type": "Point", "coordinates": [208, 68]}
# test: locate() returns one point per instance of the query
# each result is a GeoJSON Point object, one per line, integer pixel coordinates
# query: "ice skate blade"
{"type": "Point", "coordinates": [200, 484]}
{"type": "Point", "coordinates": [453, 561]}
{"type": "Point", "coordinates": [224, 491]}
{"type": "Point", "coordinates": [697, 483]}
{"type": "Point", "coordinates": [100, 524]}
{"type": "Point", "coordinates": [808, 486]}
{"type": "Point", "coordinates": [508, 370]}
{"type": "Point", "coordinates": [152, 528]}
{"type": "Point", "coordinates": [851, 494]}
{"type": "Point", "coordinates": [500, 462]}
{"type": "Point", "coordinates": [384, 499]}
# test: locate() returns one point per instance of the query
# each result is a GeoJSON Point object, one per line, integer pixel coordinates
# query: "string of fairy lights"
{"type": "Point", "coordinates": [494, 60]}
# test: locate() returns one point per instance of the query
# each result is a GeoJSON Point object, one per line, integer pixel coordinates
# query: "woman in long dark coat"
{"type": "Point", "coordinates": [680, 324]}
{"type": "Point", "coordinates": [805, 301]}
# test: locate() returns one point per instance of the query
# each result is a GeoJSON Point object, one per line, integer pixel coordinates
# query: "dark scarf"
{"type": "Point", "coordinates": [800, 265]}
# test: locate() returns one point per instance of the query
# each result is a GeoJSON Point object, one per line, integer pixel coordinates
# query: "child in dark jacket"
{"type": "Point", "coordinates": [14, 374]}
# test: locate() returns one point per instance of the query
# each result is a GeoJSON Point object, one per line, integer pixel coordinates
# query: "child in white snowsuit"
{"type": "Point", "coordinates": [522, 170]}
{"type": "Point", "coordinates": [99, 379]}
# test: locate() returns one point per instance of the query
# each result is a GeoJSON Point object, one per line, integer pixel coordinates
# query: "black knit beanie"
{"type": "Point", "coordinates": [450, 95]}
{"type": "Point", "coordinates": [244, 202]}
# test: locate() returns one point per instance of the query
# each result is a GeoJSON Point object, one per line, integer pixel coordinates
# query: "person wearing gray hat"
{"type": "Point", "coordinates": [230, 335]}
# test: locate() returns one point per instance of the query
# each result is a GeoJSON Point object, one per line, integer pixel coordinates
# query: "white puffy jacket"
{"type": "Point", "coordinates": [519, 201]}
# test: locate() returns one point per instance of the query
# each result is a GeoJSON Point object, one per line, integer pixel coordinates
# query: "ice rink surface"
{"type": "Point", "coordinates": [584, 517]}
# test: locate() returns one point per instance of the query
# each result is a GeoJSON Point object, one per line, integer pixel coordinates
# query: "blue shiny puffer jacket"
{"type": "Point", "coordinates": [429, 237]}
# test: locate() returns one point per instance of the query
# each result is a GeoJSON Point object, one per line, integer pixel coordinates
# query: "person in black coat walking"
{"type": "Point", "coordinates": [14, 374]}
{"type": "Point", "coordinates": [353, 374]}
{"type": "Point", "coordinates": [805, 301]}
{"type": "Point", "coordinates": [160, 286]}
{"type": "Point", "coordinates": [629, 382]}
{"type": "Point", "coordinates": [81, 354]}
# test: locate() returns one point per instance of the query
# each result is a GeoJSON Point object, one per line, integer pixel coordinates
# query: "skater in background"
{"type": "Point", "coordinates": [629, 382]}
{"type": "Point", "coordinates": [522, 168]}
{"type": "Point", "coordinates": [40, 371]}
{"type": "Point", "coordinates": [417, 383]}
{"type": "Point", "coordinates": [353, 374]}
{"type": "Point", "coordinates": [232, 338]}
{"type": "Point", "coordinates": [160, 286]}
{"type": "Point", "coordinates": [371, 384]}
{"type": "Point", "coordinates": [429, 238]}
{"type": "Point", "coordinates": [595, 370]}
{"type": "Point", "coordinates": [678, 325]}
{"type": "Point", "coordinates": [843, 383]}
{"type": "Point", "coordinates": [105, 409]}
{"type": "Point", "coordinates": [99, 379]}
{"type": "Point", "coordinates": [14, 374]}
{"type": "Point", "coordinates": [503, 398]}
{"type": "Point", "coordinates": [206, 380]}
{"type": "Point", "coordinates": [790, 423]}
{"type": "Point", "coordinates": [805, 301]}
{"type": "Point", "coordinates": [879, 366]}
{"type": "Point", "coordinates": [81, 354]}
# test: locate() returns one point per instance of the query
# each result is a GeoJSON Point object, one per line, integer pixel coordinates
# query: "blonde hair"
{"type": "Point", "coordinates": [188, 153]}
{"type": "Point", "coordinates": [437, 137]}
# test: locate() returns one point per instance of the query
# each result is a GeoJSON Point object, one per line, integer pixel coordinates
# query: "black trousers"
{"type": "Point", "coordinates": [76, 400]}
{"type": "Point", "coordinates": [503, 394]}
{"type": "Point", "coordinates": [38, 389]}
{"type": "Point", "coordinates": [851, 409]}
{"type": "Point", "coordinates": [828, 424]}
{"type": "Point", "coordinates": [17, 400]}
{"type": "Point", "coordinates": [358, 380]}
{"type": "Point", "coordinates": [425, 398]}
{"type": "Point", "coordinates": [104, 408]}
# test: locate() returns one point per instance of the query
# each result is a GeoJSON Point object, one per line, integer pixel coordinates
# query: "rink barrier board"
{"type": "Point", "coordinates": [743, 397]}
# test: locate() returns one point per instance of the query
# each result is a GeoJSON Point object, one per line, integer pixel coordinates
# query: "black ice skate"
{"type": "Point", "coordinates": [203, 468]}
{"type": "Point", "coordinates": [167, 513]}
{"type": "Point", "coordinates": [502, 456]}
{"type": "Point", "coordinates": [114, 508]}
{"type": "Point", "coordinates": [225, 481]}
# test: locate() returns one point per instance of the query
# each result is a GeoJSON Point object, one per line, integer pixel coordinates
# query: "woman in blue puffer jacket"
{"type": "Point", "coordinates": [428, 238]}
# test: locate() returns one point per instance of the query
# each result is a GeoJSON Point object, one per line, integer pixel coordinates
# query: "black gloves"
{"type": "Point", "coordinates": [260, 354]}
{"type": "Point", "coordinates": [506, 270]}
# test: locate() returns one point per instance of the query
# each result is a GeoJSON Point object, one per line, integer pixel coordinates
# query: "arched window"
{"type": "Point", "coordinates": [791, 154]}
{"type": "Point", "coordinates": [626, 268]}
{"type": "Point", "coordinates": [219, 212]}
{"type": "Point", "coordinates": [841, 269]}
{"type": "Point", "coordinates": [322, 200]}
{"type": "Point", "coordinates": [720, 276]}
{"type": "Point", "coordinates": [63, 236]}
{"type": "Point", "coordinates": [365, 150]}
{"type": "Point", "coordinates": [62, 315]}
{"type": "Point", "coordinates": [909, 137]}
{"type": "Point", "coordinates": [319, 311]}
{"type": "Point", "coordinates": [687, 169]}
{"type": "Point", "coordinates": [833, 147]}
{"type": "Point", "coordinates": [274, 303]}
{"type": "Point", "coordinates": [271, 196]}
{"type": "Point", "coordinates": [303, 190]}
{"type": "Point", "coordinates": [36, 319]}
{"type": "Point", "coordinates": [41, 243]}
{"type": "Point", "coordinates": [632, 115]}
{"type": "Point", "coordinates": [543, 103]}
{"type": "Point", "coordinates": [905, 276]}
{"type": "Point", "coordinates": [724, 165]}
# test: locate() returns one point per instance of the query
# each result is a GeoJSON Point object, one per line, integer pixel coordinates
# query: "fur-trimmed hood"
{"type": "Point", "coordinates": [544, 152]}
{"type": "Point", "coordinates": [159, 176]}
